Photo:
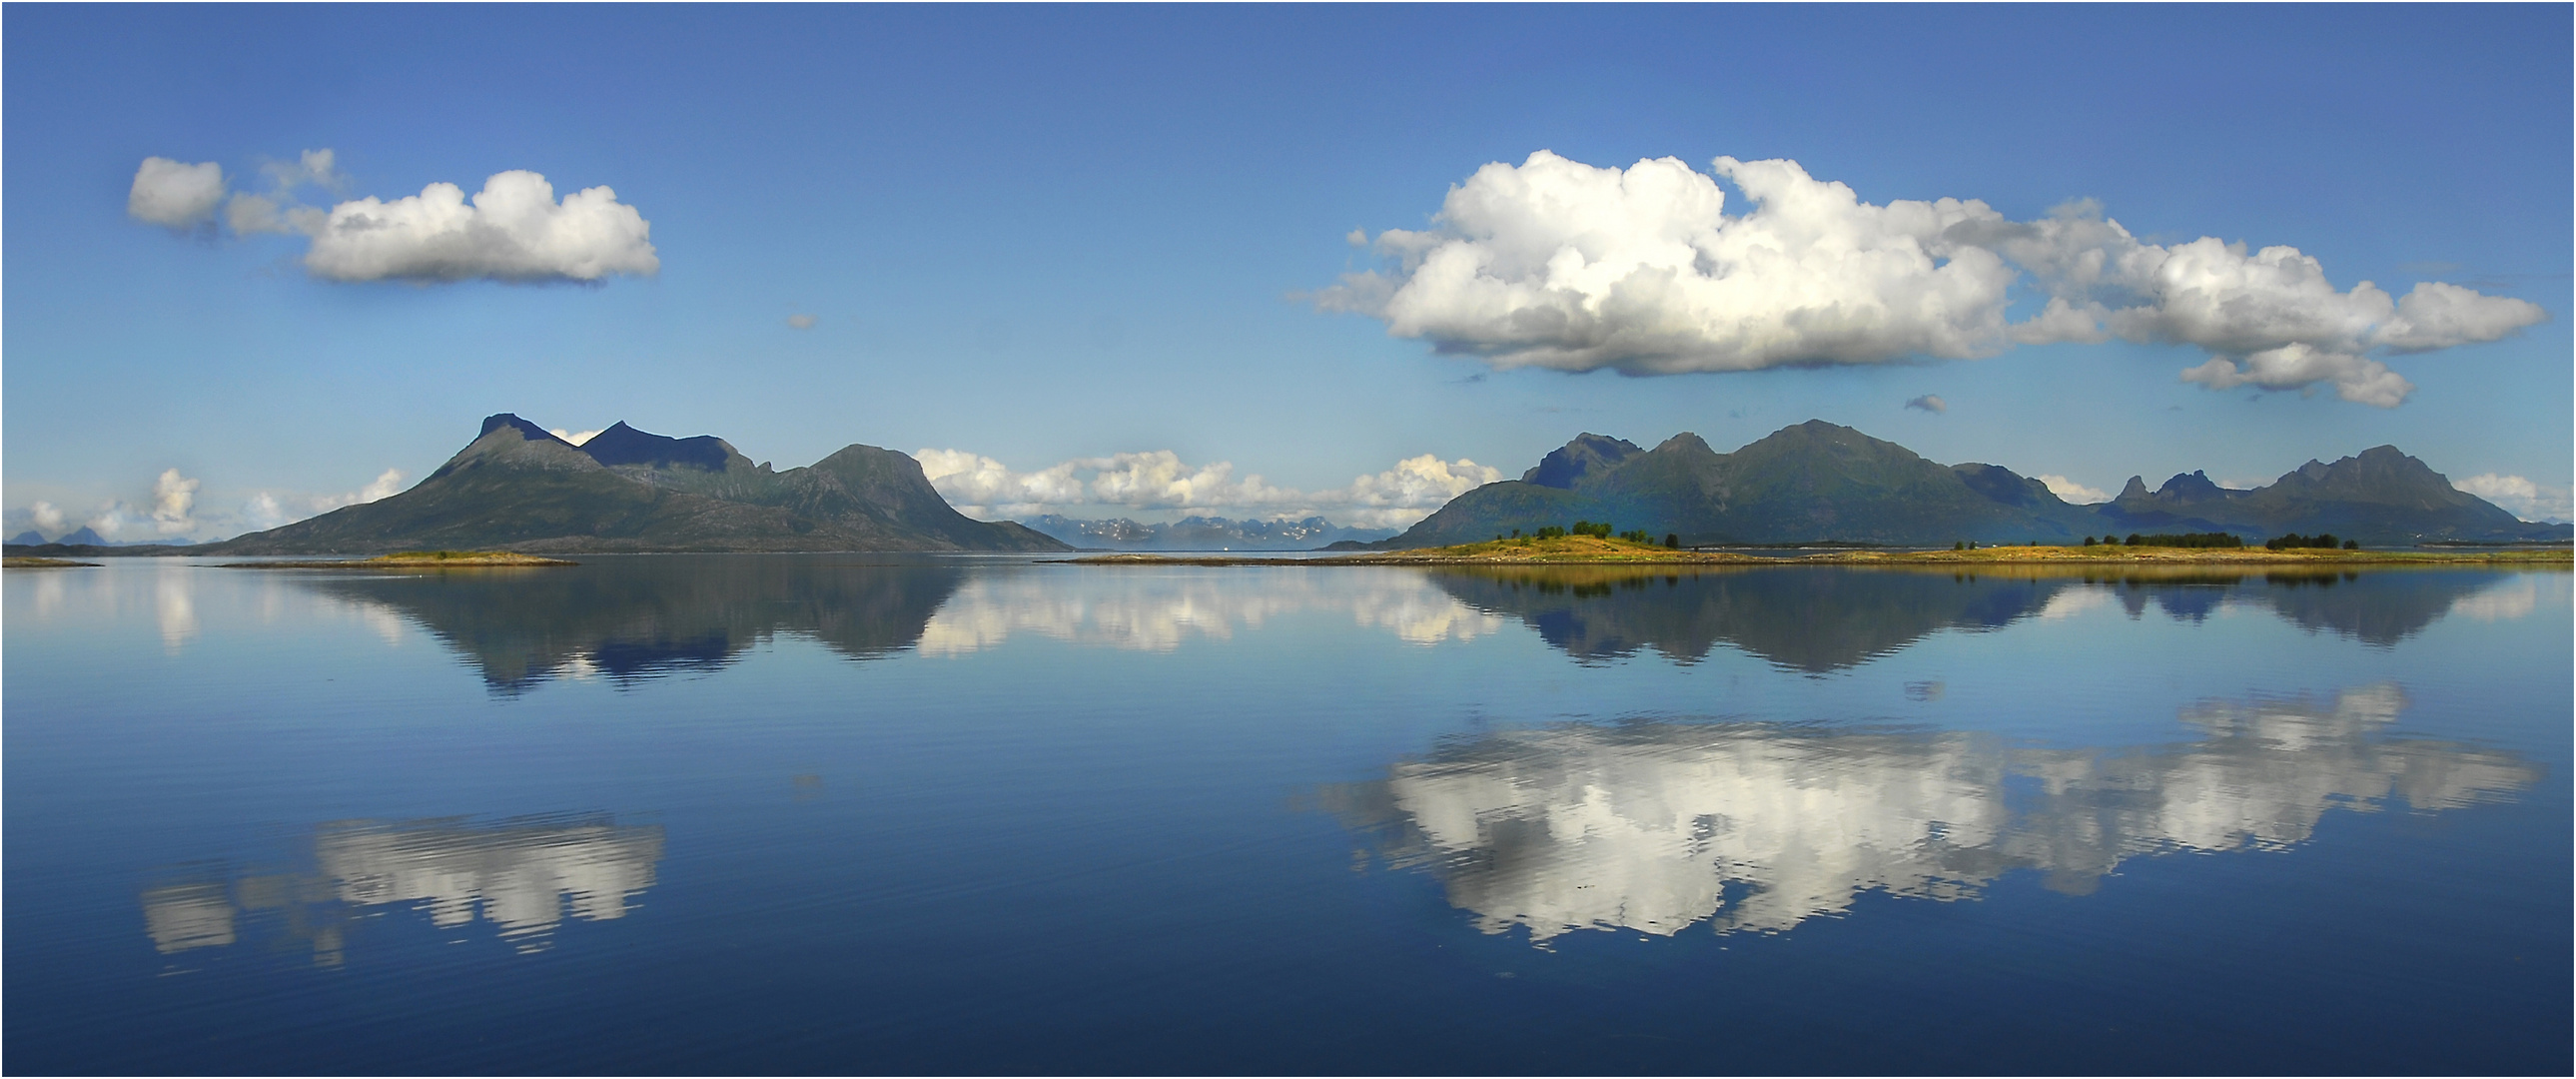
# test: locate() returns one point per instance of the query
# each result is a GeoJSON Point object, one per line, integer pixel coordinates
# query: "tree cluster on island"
{"type": "Point", "coordinates": [1594, 529]}
{"type": "Point", "coordinates": [2203, 540]}
{"type": "Point", "coordinates": [2295, 541]}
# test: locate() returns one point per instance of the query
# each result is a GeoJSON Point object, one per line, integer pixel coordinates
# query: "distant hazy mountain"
{"type": "Point", "coordinates": [1203, 534]}
{"type": "Point", "coordinates": [28, 538]}
{"type": "Point", "coordinates": [1819, 482]}
{"type": "Point", "coordinates": [517, 487]}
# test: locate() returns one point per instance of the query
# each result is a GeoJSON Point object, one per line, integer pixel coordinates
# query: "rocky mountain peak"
{"type": "Point", "coordinates": [1588, 455]}
{"type": "Point", "coordinates": [511, 420]}
{"type": "Point", "coordinates": [621, 444]}
{"type": "Point", "coordinates": [2192, 486]}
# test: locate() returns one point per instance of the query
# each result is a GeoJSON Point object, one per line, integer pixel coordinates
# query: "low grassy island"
{"type": "Point", "coordinates": [32, 562]}
{"type": "Point", "coordinates": [2250, 556]}
{"type": "Point", "coordinates": [1583, 548]}
{"type": "Point", "coordinates": [1526, 550]}
{"type": "Point", "coordinates": [416, 560]}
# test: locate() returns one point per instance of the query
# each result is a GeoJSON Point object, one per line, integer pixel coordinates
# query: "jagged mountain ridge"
{"type": "Point", "coordinates": [518, 487]}
{"type": "Point", "coordinates": [2379, 495]}
{"type": "Point", "coordinates": [1818, 482]}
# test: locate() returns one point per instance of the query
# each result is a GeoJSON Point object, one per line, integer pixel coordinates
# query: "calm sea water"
{"type": "Point", "coordinates": [883, 814]}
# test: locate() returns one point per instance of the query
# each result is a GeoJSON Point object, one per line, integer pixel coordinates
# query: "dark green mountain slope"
{"type": "Point", "coordinates": [1814, 482]}
{"type": "Point", "coordinates": [2380, 497]}
{"type": "Point", "coordinates": [1819, 482]}
{"type": "Point", "coordinates": [519, 488]}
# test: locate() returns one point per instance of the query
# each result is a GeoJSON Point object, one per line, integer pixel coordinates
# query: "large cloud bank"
{"type": "Point", "coordinates": [514, 229]}
{"type": "Point", "coordinates": [1556, 263]}
{"type": "Point", "coordinates": [1159, 480]}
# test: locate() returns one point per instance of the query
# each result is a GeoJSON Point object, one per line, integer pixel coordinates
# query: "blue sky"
{"type": "Point", "coordinates": [1044, 238]}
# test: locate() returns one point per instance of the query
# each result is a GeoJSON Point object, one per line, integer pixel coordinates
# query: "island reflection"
{"type": "Point", "coordinates": [521, 876]}
{"type": "Point", "coordinates": [635, 619]}
{"type": "Point", "coordinates": [630, 620]}
{"type": "Point", "coordinates": [1658, 826]}
{"type": "Point", "coordinates": [1817, 620]}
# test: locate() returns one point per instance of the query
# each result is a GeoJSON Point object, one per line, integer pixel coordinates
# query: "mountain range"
{"type": "Point", "coordinates": [1818, 482]}
{"type": "Point", "coordinates": [517, 487]}
{"type": "Point", "coordinates": [1203, 534]}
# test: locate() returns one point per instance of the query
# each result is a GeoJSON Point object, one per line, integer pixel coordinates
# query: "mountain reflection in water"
{"type": "Point", "coordinates": [1657, 826]}
{"type": "Point", "coordinates": [635, 619]}
{"type": "Point", "coordinates": [630, 619]}
{"type": "Point", "coordinates": [518, 875]}
{"type": "Point", "coordinates": [1817, 620]}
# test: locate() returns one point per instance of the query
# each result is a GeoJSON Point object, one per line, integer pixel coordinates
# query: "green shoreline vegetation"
{"type": "Point", "coordinates": [32, 562]}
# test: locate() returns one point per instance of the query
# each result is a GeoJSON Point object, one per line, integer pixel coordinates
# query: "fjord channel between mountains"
{"type": "Point", "coordinates": [517, 487]}
{"type": "Point", "coordinates": [1818, 482]}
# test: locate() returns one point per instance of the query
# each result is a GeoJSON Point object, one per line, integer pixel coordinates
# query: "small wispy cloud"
{"type": "Point", "coordinates": [2073, 492]}
{"type": "Point", "coordinates": [800, 322]}
{"type": "Point", "coordinates": [574, 437]}
{"type": "Point", "coordinates": [2520, 497]}
{"type": "Point", "coordinates": [1930, 402]}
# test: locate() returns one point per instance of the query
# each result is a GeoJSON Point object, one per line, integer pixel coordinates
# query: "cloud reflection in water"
{"type": "Point", "coordinates": [1150, 611]}
{"type": "Point", "coordinates": [524, 877]}
{"type": "Point", "coordinates": [1655, 827]}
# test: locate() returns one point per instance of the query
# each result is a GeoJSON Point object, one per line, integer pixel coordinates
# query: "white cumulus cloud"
{"type": "Point", "coordinates": [170, 514]}
{"type": "Point", "coordinates": [574, 437]}
{"type": "Point", "coordinates": [1160, 480]}
{"type": "Point", "coordinates": [387, 483]}
{"type": "Point", "coordinates": [1417, 485]}
{"type": "Point", "coordinates": [512, 230]}
{"type": "Point", "coordinates": [2520, 497]}
{"type": "Point", "coordinates": [2305, 367]}
{"type": "Point", "coordinates": [47, 516]}
{"type": "Point", "coordinates": [174, 503]}
{"type": "Point", "coordinates": [2073, 492]}
{"type": "Point", "coordinates": [1556, 263]}
{"type": "Point", "coordinates": [262, 511]}
{"type": "Point", "coordinates": [175, 194]}
{"type": "Point", "coordinates": [971, 479]}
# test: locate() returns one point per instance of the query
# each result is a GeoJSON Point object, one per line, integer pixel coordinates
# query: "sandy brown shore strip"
{"type": "Point", "coordinates": [32, 562]}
